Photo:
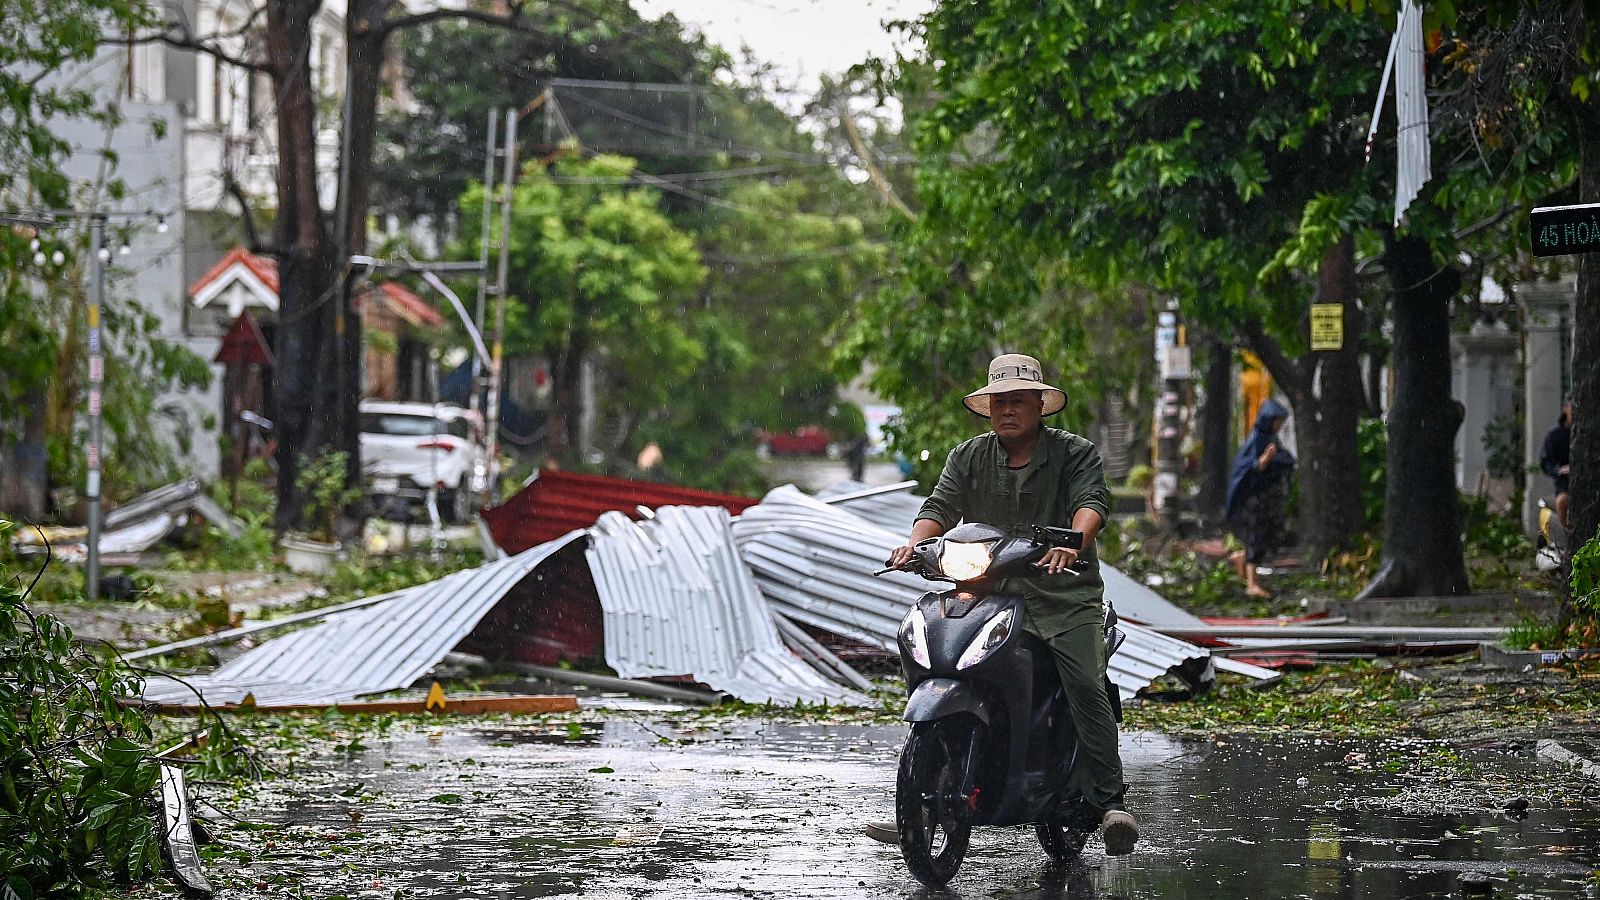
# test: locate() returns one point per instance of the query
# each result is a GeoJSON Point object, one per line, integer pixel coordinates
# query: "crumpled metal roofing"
{"type": "Point", "coordinates": [678, 600]}
{"type": "Point", "coordinates": [897, 510]}
{"type": "Point", "coordinates": [364, 651]}
{"type": "Point", "coordinates": [554, 502]}
{"type": "Point", "coordinates": [814, 562]}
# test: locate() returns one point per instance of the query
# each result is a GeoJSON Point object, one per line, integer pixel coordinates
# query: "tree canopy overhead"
{"type": "Point", "coordinates": [1208, 154]}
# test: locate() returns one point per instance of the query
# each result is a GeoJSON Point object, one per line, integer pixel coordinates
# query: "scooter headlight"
{"type": "Point", "coordinates": [965, 562]}
{"type": "Point", "coordinates": [992, 635]}
{"type": "Point", "coordinates": [914, 636]}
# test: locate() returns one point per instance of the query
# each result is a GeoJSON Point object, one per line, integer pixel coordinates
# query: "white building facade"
{"type": "Point", "coordinates": [190, 125]}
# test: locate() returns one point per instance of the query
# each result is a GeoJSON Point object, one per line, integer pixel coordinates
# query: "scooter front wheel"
{"type": "Point", "coordinates": [933, 814]}
{"type": "Point", "coordinates": [1060, 843]}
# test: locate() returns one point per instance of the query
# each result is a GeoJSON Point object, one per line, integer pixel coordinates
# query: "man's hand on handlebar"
{"type": "Point", "coordinates": [899, 556]}
{"type": "Point", "coordinates": [1058, 560]}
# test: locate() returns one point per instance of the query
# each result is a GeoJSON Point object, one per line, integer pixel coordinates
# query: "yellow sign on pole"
{"type": "Point", "coordinates": [1327, 326]}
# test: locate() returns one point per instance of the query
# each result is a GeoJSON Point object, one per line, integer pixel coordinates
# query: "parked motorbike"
{"type": "Point", "coordinates": [992, 741]}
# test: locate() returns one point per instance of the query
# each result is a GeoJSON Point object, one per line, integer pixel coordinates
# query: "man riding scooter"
{"type": "Point", "coordinates": [1019, 475]}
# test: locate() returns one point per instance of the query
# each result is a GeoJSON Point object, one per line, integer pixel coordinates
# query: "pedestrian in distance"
{"type": "Point", "coordinates": [855, 457]}
{"type": "Point", "coordinates": [1555, 458]}
{"type": "Point", "coordinates": [1258, 489]}
{"type": "Point", "coordinates": [1018, 475]}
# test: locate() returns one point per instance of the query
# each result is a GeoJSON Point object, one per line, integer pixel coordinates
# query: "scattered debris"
{"type": "Point", "coordinates": [1555, 752]}
{"type": "Point", "coordinates": [1494, 653]}
{"type": "Point", "coordinates": [622, 685]}
{"type": "Point", "coordinates": [381, 647]}
{"type": "Point", "coordinates": [516, 704]}
{"type": "Point", "coordinates": [177, 832]}
{"type": "Point", "coordinates": [135, 526]}
{"type": "Point", "coordinates": [814, 562]}
{"type": "Point", "coordinates": [678, 600]}
{"type": "Point", "coordinates": [689, 592]}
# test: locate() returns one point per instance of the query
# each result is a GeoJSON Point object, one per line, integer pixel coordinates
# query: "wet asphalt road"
{"type": "Point", "coordinates": [763, 809]}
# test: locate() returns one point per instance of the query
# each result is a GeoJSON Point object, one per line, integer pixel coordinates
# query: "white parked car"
{"type": "Point", "coordinates": [406, 448]}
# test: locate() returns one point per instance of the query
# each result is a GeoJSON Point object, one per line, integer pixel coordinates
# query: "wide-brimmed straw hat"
{"type": "Point", "coordinates": [1015, 372]}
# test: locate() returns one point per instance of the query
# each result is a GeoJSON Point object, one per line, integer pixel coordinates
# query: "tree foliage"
{"type": "Point", "coordinates": [1091, 153]}
{"type": "Point", "coordinates": [76, 773]}
{"type": "Point", "coordinates": [597, 268]}
{"type": "Point", "coordinates": [431, 146]}
{"type": "Point", "coordinates": [788, 242]}
{"type": "Point", "coordinates": [42, 39]}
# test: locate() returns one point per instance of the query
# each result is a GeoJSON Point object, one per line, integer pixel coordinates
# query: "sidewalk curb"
{"type": "Point", "coordinates": [1554, 752]}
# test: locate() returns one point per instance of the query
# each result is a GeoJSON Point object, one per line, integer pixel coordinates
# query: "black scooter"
{"type": "Point", "coordinates": [992, 739]}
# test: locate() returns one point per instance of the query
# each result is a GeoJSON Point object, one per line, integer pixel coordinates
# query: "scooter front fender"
{"type": "Point", "coordinates": [936, 698]}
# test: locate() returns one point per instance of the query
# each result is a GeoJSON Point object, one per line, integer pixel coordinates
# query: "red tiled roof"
{"type": "Point", "coordinates": [558, 502]}
{"type": "Point", "coordinates": [409, 306]}
{"type": "Point", "coordinates": [262, 267]}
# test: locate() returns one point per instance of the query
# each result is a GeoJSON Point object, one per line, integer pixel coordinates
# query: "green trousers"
{"type": "Point", "coordinates": [1080, 656]}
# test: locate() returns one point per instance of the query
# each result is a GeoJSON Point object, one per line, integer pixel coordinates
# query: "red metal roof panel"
{"type": "Point", "coordinates": [557, 502]}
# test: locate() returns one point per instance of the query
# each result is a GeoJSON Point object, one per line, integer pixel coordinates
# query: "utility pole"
{"type": "Point", "coordinates": [474, 398]}
{"type": "Point", "coordinates": [99, 255]}
{"type": "Point", "coordinates": [97, 376]}
{"type": "Point", "coordinates": [497, 357]}
{"type": "Point", "coordinates": [1172, 352]}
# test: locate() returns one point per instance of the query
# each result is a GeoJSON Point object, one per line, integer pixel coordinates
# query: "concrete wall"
{"type": "Point", "coordinates": [151, 162]}
{"type": "Point", "coordinates": [1486, 376]}
{"type": "Point", "coordinates": [1547, 316]}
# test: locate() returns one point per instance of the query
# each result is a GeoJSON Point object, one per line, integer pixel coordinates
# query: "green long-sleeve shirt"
{"type": "Point", "coordinates": [1064, 476]}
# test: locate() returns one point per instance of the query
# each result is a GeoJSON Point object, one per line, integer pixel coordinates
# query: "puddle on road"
{"type": "Point", "coordinates": [773, 810]}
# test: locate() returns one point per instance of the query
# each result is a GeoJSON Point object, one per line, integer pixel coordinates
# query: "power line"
{"type": "Point", "coordinates": [725, 147]}
{"type": "Point", "coordinates": [680, 177]}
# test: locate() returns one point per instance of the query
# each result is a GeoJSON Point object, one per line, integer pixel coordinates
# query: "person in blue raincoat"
{"type": "Point", "coordinates": [1258, 489]}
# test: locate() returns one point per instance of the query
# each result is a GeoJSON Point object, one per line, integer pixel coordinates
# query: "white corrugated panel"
{"type": "Point", "coordinates": [893, 510]}
{"type": "Point", "coordinates": [814, 562]}
{"type": "Point", "coordinates": [898, 510]}
{"type": "Point", "coordinates": [364, 651]}
{"type": "Point", "coordinates": [679, 600]}
{"type": "Point", "coordinates": [1414, 160]}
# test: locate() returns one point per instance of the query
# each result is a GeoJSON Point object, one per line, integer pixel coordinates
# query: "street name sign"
{"type": "Point", "coordinates": [1563, 230]}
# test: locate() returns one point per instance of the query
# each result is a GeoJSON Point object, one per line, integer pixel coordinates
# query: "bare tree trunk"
{"type": "Point", "coordinates": [566, 403]}
{"type": "Point", "coordinates": [1325, 392]}
{"type": "Point", "coordinates": [1422, 520]}
{"type": "Point", "coordinates": [306, 377]}
{"type": "Point", "coordinates": [1342, 401]}
{"type": "Point", "coordinates": [1216, 428]}
{"type": "Point", "coordinates": [24, 472]}
{"type": "Point", "coordinates": [1585, 493]}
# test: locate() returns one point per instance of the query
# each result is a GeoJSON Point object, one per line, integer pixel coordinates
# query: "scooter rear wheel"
{"type": "Point", "coordinates": [1060, 843]}
{"type": "Point", "coordinates": [935, 821]}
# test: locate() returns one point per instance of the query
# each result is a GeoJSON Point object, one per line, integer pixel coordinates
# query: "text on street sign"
{"type": "Point", "coordinates": [1560, 230]}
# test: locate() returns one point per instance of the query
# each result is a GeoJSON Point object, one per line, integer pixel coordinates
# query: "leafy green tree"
{"type": "Point", "coordinates": [598, 272]}
{"type": "Point", "coordinates": [76, 770]}
{"type": "Point", "coordinates": [1517, 111]}
{"type": "Point", "coordinates": [431, 146]}
{"type": "Point", "coordinates": [788, 240]}
{"type": "Point", "coordinates": [1176, 150]}
{"type": "Point", "coordinates": [785, 268]}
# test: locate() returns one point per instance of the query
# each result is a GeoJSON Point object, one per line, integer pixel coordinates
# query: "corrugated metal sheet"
{"type": "Point", "coordinates": [1407, 59]}
{"type": "Point", "coordinates": [1414, 162]}
{"type": "Point", "coordinates": [364, 651]}
{"type": "Point", "coordinates": [814, 563]}
{"type": "Point", "coordinates": [678, 600]}
{"type": "Point", "coordinates": [896, 511]}
{"type": "Point", "coordinates": [555, 503]}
